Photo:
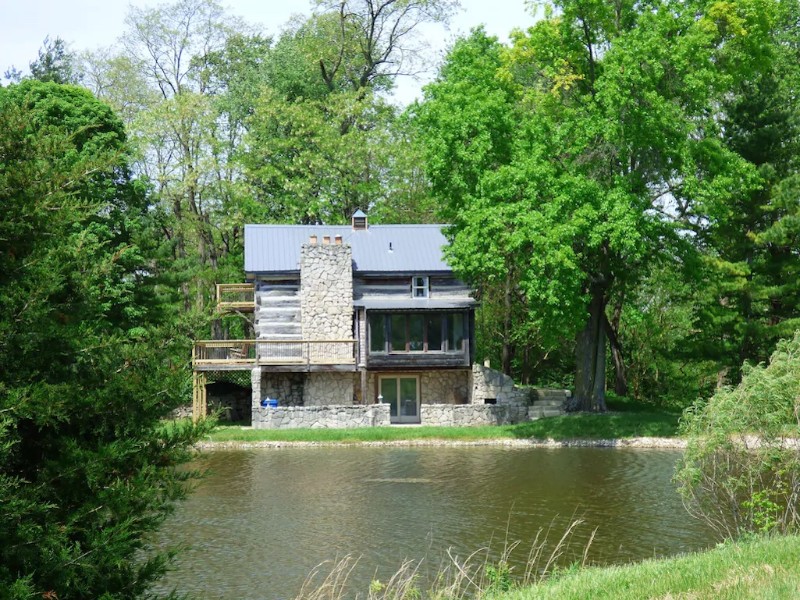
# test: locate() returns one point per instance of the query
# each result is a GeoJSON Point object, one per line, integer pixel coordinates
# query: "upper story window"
{"type": "Point", "coordinates": [417, 332]}
{"type": "Point", "coordinates": [419, 286]}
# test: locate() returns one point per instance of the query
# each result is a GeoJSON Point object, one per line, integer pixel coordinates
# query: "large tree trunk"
{"type": "Point", "coordinates": [590, 354]}
{"type": "Point", "coordinates": [612, 330]}
{"type": "Point", "coordinates": [507, 351]}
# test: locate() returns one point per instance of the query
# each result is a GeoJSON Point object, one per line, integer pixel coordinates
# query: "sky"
{"type": "Point", "coordinates": [92, 24]}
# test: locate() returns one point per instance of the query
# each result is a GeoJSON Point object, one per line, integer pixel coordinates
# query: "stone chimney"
{"type": "Point", "coordinates": [326, 291]}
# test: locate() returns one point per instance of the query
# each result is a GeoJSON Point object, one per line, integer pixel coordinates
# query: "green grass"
{"type": "Point", "coordinates": [582, 426]}
{"type": "Point", "coordinates": [758, 569]}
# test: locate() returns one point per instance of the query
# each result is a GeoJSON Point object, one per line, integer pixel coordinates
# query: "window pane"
{"type": "Point", "coordinates": [415, 331]}
{"type": "Point", "coordinates": [435, 332]}
{"type": "Point", "coordinates": [398, 323]}
{"type": "Point", "coordinates": [389, 393]}
{"type": "Point", "coordinates": [419, 287]}
{"type": "Point", "coordinates": [377, 333]}
{"type": "Point", "coordinates": [408, 396]}
{"type": "Point", "coordinates": [455, 332]}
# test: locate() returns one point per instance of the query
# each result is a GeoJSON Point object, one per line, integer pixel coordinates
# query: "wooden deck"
{"type": "Point", "coordinates": [282, 355]}
{"type": "Point", "coordinates": [239, 297]}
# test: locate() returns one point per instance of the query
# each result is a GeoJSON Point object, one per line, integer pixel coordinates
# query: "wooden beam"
{"type": "Point", "coordinates": [199, 401]}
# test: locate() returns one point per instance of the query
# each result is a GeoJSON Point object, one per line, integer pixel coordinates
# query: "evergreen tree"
{"type": "Point", "coordinates": [86, 468]}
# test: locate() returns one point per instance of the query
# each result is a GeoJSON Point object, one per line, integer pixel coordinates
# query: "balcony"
{"type": "Point", "coordinates": [280, 355]}
{"type": "Point", "coordinates": [236, 297]}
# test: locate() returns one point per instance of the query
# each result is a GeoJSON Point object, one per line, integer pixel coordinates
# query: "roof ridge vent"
{"type": "Point", "coordinates": [360, 222]}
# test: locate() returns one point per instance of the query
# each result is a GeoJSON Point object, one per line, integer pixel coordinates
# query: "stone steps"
{"type": "Point", "coordinates": [549, 403]}
{"type": "Point", "coordinates": [539, 412]}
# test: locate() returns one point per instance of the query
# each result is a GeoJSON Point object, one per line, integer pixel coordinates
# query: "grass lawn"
{"type": "Point", "coordinates": [758, 569]}
{"type": "Point", "coordinates": [623, 424]}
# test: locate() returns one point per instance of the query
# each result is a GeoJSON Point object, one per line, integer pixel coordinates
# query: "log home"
{"type": "Point", "coordinates": [366, 322]}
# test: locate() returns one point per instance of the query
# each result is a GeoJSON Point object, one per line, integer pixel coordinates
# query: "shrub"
{"type": "Point", "coordinates": [741, 470]}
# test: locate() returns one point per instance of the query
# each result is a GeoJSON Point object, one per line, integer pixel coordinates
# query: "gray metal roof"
{"type": "Point", "coordinates": [380, 248]}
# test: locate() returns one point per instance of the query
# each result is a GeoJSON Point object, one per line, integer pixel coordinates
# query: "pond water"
{"type": "Point", "coordinates": [263, 519]}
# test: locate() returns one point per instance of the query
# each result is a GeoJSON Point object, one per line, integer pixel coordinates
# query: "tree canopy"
{"type": "Point", "coordinates": [574, 160]}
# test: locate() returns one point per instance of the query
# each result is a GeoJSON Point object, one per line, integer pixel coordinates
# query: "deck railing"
{"type": "Point", "coordinates": [236, 296]}
{"type": "Point", "coordinates": [209, 353]}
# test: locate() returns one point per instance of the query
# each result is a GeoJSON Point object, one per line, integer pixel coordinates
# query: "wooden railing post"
{"type": "Point", "coordinates": [199, 404]}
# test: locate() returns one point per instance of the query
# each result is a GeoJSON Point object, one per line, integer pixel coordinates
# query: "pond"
{"type": "Point", "coordinates": [264, 518]}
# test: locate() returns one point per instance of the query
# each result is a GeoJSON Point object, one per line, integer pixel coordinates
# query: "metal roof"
{"type": "Point", "coordinates": [380, 248]}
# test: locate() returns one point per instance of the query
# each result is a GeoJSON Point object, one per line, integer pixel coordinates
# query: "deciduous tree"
{"type": "Point", "coordinates": [605, 143]}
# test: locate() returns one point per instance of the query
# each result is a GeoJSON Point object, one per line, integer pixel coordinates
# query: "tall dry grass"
{"type": "Point", "coordinates": [474, 577]}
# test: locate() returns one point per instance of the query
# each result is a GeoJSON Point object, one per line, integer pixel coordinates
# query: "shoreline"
{"type": "Point", "coordinates": [665, 443]}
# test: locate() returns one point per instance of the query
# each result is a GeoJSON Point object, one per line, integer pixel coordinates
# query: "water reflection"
{"type": "Point", "coordinates": [263, 519]}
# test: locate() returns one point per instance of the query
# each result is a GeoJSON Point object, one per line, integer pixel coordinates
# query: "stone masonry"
{"type": "Point", "coordinates": [318, 417]}
{"type": "Point", "coordinates": [286, 388]}
{"type": "Point", "coordinates": [444, 387]}
{"type": "Point", "coordinates": [326, 291]}
{"type": "Point", "coordinates": [488, 384]}
{"type": "Point", "coordinates": [471, 415]}
{"type": "Point", "coordinates": [326, 389]}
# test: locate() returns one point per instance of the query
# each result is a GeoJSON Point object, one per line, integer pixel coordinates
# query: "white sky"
{"type": "Point", "coordinates": [91, 24]}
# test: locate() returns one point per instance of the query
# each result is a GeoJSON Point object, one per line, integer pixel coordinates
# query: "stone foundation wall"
{"type": "Point", "coordinates": [444, 387]}
{"type": "Point", "coordinates": [325, 389]}
{"type": "Point", "coordinates": [318, 417]}
{"type": "Point", "coordinates": [469, 415]}
{"type": "Point", "coordinates": [286, 388]}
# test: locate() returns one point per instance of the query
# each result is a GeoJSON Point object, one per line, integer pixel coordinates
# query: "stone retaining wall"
{"type": "Point", "coordinates": [491, 385]}
{"type": "Point", "coordinates": [468, 415]}
{"type": "Point", "coordinates": [320, 417]}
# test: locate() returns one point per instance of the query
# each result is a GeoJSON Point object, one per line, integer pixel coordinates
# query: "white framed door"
{"type": "Point", "coordinates": [401, 393]}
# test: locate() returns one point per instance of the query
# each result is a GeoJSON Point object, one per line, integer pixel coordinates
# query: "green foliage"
{"type": "Point", "coordinates": [318, 160]}
{"type": "Point", "coordinates": [55, 62]}
{"type": "Point", "coordinates": [741, 471]}
{"type": "Point", "coordinates": [85, 366]}
{"type": "Point", "coordinates": [659, 330]}
{"type": "Point", "coordinates": [498, 577]}
{"type": "Point", "coordinates": [607, 142]}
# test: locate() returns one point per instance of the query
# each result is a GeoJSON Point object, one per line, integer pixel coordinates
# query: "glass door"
{"type": "Point", "coordinates": [402, 395]}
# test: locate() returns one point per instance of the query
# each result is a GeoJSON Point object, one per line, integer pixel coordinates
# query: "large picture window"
{"type": "Point", "coordinates": [417, 332]}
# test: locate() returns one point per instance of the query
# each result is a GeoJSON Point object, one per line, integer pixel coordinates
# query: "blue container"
{"type": "Point", "coordinates": [269, 402]}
